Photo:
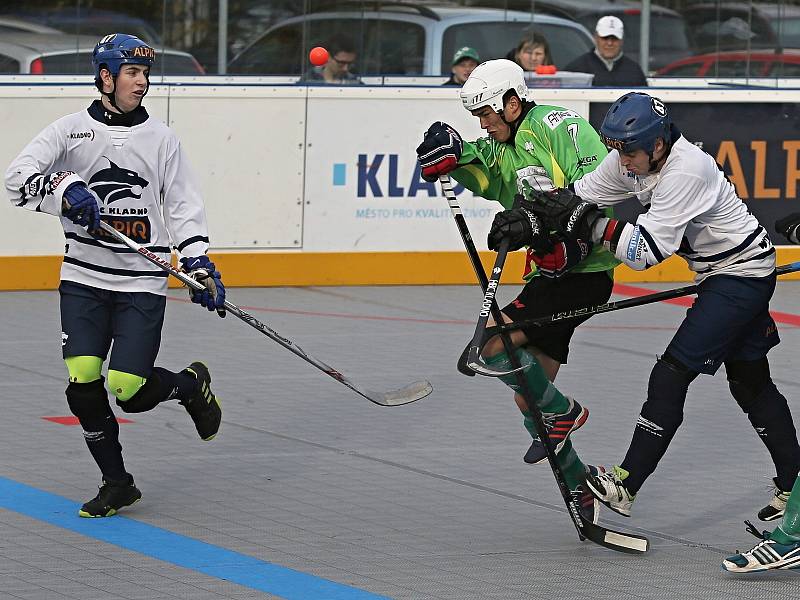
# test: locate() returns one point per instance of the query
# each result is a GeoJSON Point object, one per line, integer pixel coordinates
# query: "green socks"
{"type": "Point", "coordinates": [547, 396]}
{"type": "Point", "coordinates": [788, 532]}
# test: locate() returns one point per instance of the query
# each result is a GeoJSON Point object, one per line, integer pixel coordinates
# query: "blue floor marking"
{"type": "Point", "coordinates": [174, 548]}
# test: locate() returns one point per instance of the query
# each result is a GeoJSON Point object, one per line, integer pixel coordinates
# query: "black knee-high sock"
{"type": "Point", "coordinates": [658, 421]}
{"type": "Point", "coordinates": [89, 402]}
{"type": "Point", "coordinates": [162, 385]}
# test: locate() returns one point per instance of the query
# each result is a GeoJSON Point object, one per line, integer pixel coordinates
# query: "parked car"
{"type": "Point", "coordinates": [756, 64]}
{"type": "Point", "coordinates": [88, 21]}
{"type": "Point", "coordinates": [63, 54]}
{"type": "Point", "coordinates": [14, 25]}
{"type": "Point", "coordinates": [742, 25]}
{"type": "Point", "coordinates": [407, 39]}
{"type": "Point", "coordinates": [668, 38]}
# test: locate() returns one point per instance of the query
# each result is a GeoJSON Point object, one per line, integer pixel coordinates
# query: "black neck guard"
{"type": "Point", "coordinates": [101, 114]}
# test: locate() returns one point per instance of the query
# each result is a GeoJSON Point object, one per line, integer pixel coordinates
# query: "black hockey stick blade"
{"type": "Point", "coordinates": [475, 363]}
{"type": "Point", "coordinates": [615, 540]}
{"type": "Point", "coordinates": [405, 395]}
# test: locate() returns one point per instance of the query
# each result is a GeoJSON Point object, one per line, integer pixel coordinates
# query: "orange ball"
{"type": "Point", "coordinates": [318, 56]}
{"type": "Point", "coordinates": [546, 70]}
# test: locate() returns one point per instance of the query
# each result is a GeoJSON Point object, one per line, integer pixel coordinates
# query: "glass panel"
{"type": "Point", "coordinates": [496, 40]}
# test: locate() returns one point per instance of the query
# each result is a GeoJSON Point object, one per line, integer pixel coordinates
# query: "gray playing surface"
{"type": "Point", "coordinates": [429, 500]}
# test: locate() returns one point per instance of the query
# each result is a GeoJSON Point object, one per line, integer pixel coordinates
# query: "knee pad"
{"type": "Point", "coordinates": [88, 402]}
{"type": "Point", "coordinates": [662, 413]}
{"type": "Point", "coordinates": [147, 396]}
{"type": "Point", "coordinates": [84, 369]}
{"type": "Point", "coordinates": [747, 380]}
{"type": "Point", "coordinates": [124, 385]}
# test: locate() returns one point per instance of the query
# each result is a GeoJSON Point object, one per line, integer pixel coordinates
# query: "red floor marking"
{"type": "Point", "coordinates": [631, 290]}
{"type": "Point", "coordinates": [74, 420]}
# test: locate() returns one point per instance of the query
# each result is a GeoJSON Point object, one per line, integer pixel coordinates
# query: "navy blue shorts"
{"type": "Point", "coordinates": [92, 318]}
{"type": "Point", "coordinates": [729, 320]}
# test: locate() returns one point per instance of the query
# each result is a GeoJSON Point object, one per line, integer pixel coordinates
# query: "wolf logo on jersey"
{"type": "Point", "coordinates": [116, 183]}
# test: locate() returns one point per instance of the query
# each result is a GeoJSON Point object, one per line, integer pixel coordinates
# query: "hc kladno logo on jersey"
{"type": "Point", "coordinates": [116, 183]}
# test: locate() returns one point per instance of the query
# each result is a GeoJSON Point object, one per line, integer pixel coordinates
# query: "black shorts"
{"type": "Point", "coordinates": [93, 318]}
{"type": "Point", "coordinates": [543, 296]}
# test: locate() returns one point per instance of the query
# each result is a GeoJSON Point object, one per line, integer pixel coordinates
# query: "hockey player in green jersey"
{"type": "Point", "coordinates": [529, 147]}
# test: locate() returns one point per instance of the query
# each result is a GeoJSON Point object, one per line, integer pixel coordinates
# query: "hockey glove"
{"type": "Point", "coordinates": [202, 270]}
{"type": "Point", "coordinates": [563, 211]}
{"type": "Point", "coordinates": [80, 206]}
{"type": "Point", "coordinates": [566, 254]}
{"type": "Point", "coordinates": [522, 227]}
{"type": "Point", "coordinates": [439, 151]}
{"type": "Point", "coordinates": [788, 226]}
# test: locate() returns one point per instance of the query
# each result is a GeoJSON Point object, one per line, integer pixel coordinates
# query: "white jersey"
{"type": "Point", "coordinates": [694, 212]}
{"type": "Point", "coordinates": [145, 190]}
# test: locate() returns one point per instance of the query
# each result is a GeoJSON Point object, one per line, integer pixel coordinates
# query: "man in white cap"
{"type": "Point", "coordinates": [608, 64]}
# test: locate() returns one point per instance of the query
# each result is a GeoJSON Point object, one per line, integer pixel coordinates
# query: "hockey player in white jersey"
{"type": "Point", "coordinates": [116, 163]}
{"type": "Point", "coordinates": [694, 212]}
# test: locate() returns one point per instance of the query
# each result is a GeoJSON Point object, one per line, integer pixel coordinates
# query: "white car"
{"type": "Point", "coordinates": [407, 39]}
{"type": "Point", "coordinates": [63, 54]}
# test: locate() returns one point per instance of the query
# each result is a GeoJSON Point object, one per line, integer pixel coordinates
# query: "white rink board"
{"type": "Point", "coordinates": [279, 164]}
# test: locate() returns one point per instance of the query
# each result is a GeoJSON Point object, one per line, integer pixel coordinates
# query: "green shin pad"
{"type": "Point", "coordinates": [546, 395]}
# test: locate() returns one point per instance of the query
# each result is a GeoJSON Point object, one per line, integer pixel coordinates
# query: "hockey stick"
{"type": "Point", "coordinates": [615, 540]}
{"type": "Point", "coordinates": [405, 395]}
{"type": "Point", "coordinates": [612, 306]}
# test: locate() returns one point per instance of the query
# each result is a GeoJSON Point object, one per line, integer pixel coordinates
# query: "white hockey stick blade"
{"type": "Point", "coordinates": [405, 395]}
{"type": "Point", "coordinates": [475, 363]}
{"type": "Point", "coordinates": [615, 540]}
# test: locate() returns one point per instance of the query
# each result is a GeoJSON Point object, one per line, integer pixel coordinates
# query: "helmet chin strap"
{"type": "Point", "coordinates": [112, 95]}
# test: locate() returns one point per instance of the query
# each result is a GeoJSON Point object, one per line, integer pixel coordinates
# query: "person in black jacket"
{"type": "Point", "coordinates": [609, 66]}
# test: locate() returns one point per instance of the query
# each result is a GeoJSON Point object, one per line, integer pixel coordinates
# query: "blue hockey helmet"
{"type": "Point", "coordinates": [117, 49]}
{"type": "Point", "coordinates": [635, 121]}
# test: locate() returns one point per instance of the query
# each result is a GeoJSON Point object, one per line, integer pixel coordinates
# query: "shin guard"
{"type": "Point", "coordinates": [89, 402]}
{"type": "Point", "coordinates": [789, 529]}
{"type": "Point", "coordinates": [766, 408]}
{"type": "Point", "coordinates": [162, 385]}
{"type": "Point", "coordinates": [545, 394]}
{"type": "Point", "coordinates": [658, 421]}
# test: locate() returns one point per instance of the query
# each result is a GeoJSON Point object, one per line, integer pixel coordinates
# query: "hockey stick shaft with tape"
{"type": "Point", "coordinates": [405, 395]}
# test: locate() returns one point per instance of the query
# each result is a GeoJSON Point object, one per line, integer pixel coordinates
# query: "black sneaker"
{"type": "Point", "coordinates": [777, 506]}
{"type": "Point", "coordinates": [559, 428]}
{"type": "Point", "coordinates": [203, 405]}
{"type": "Point", "coordinates": [112, 496]}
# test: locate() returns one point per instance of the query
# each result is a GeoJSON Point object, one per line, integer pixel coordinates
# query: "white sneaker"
{"type": "Point", "coordinates": [608, 487]}
{"type": "Point", "coordinates": [764, 556]}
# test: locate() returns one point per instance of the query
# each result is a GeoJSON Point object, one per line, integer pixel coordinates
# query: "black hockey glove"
{"type": "Point", "coordinates": [439, 151]}
{"type": "Point", "coordinates": [566, 254]}
{"type": "Point", "coordinates": [788, 226]}
{"type": "Point", "coordinates": [522, 227]}
{"type": "Point", "coordinates": [563, 211]}
{"type": "Point", "coordinates": [202, 270]}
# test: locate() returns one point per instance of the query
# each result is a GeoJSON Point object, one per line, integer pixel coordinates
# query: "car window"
{"type": "Point", "coordinates": [8, 64]}
{"type": "Point", "coordinates": [383, 46]}
{"type": "Point", "coordinates": [730, 28]}
{"type": "Point", "coordinates": [495, 40]}
{"type": "Point", "coordinates": [787, 32]}
{"type": "Point", "coordinates": [736, 68]}
{"type": "Point", "coordinates": [784, 69]}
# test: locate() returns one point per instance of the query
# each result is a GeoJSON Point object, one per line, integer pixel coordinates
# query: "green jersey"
{"type": "Point", "coordinates": [553, 146]}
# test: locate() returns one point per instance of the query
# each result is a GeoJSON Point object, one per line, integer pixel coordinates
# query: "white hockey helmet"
{"type": "Point", "coordinates": [489, 81]}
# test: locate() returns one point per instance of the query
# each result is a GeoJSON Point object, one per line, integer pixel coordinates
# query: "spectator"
{"type": "Point", "coordinates": [342, 56]}
{"type": "Point", "coordinates": [606, 62]}
{"type": "Point", "coordinates": [464, 61]}
{"type": "Point", "coordinates": [531, 52]}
